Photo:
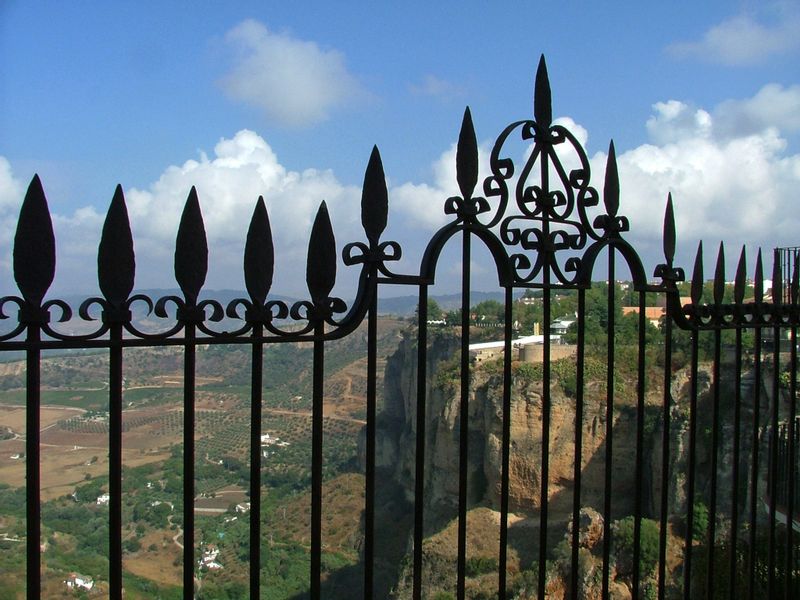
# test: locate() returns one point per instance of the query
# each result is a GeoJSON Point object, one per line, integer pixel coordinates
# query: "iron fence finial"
{"type": "Point", "coordinates": [34, 246]}
{"type": "Point", "coordinates": [259, 255]}
{"type": "Point", "coordinates": [116, 261]}
{"type": "Point", "coordinates": [542, 100]}
{"type": "Point", "coordinates": [191, 250]}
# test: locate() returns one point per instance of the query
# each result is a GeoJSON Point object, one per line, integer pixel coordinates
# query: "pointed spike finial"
{"type": "Point", "coordinates": [669, 231]}
{"type": "Point", "coordinates": [321, 263]}
{"type": "Point", "coordinates": [758, 282]}
{"type": "Point", "coordinates": [741, 278]}
{"type": "Point", "coordinates": [697, 275]}
{"type": "Point", "coordinates": [374, 198]}
{"type": "Point", "coordinates": [719, 276]}
{"type": "Point", "coordinates": [467, 157]}
{"type": "Point", "coordinates": [259, 255]}
{"type": "Point", "coordinates": [611, 187]}
{"type": "Point", "coordinates": [191, 250]}
{"type": "Point", "coordinates": [116, 262]}
{"type": "Point", "coordinates": [34, 245]}
{"type": "Point", "coordinates": [542, 101]}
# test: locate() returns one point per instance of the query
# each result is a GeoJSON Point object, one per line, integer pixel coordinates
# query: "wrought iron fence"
{"type": "Point", "coordinates": [546, 228]}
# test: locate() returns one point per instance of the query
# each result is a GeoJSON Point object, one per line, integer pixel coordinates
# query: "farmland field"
{"type": "Point", "coordinates": [74, 467]}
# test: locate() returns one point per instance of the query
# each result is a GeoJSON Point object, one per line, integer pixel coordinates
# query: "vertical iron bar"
{"type": "Point", "coordinates": [754, 465]}
{"type": "Point", "coordinates": [640, 390]}
{"type": "Point", "coordinates": [687, 572]}
{"type": "Point", "coordinates": [369, 492]}
{"type": "Point", "coordinates": [188, 461]}
{"type": "Point", "coordinates": [32, 469]}
{"type": "Point", "coordinates": [737, 433]}
{"type": "Point", "coordinates": [578, 465]}
{"type": "Point", "coordinates": [256, 400]}
{"type": "Point", "coordinates": [316, 459]}
{"type": "Point", "coordinates": [506, 443]}
{"type": "Point", "coordinates": [773, 457]}
{"type": "Point", "coordinates": [791, 465]}
{"type": "Point", "coordinates": [463, 435]}
{"type": "Point", "coordinates": [115, 462]}
{"type": "Point", "coordinates": [543, 502]}
{"type": "Point", "coordinates": [712, 509]}
{"type": "Point", "coordinates": [609, 425]}
{"type": "Point", "coordinates": [665, 449]}
{"type": "Point", "coordinates": [419, 478]}
{"type": "Point", "coordinates": [544, 171]}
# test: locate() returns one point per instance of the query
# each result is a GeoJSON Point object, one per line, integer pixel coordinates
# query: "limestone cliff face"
{"type": "Point", "coordinates": [397, 435]}
{"type": "Point", "coordinates": [396, 448]}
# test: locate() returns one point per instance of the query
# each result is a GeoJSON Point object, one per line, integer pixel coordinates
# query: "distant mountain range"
{"type": "Point", "coordinates": [401, 306]}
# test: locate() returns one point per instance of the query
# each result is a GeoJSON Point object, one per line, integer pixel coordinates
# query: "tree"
{"type": "Point", "coordinates": [648, 545]}
{"type": "Point", "coordinates": [491, 311]}
{"type": "Point", "coordinates": [435, 312]}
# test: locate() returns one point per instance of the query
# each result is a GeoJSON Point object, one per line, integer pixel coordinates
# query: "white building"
{"type": "Point", "coordinates": [79, 582]}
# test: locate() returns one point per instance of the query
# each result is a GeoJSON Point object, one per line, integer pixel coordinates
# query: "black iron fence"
{"type": "Point", "coordinates": [705, 396]}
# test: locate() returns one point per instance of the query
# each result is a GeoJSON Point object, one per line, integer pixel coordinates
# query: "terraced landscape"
{"type": "Point", "coordinates": [74, 442]}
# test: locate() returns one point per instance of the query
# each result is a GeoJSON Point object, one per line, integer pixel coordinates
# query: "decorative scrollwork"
{"type": "Point", "coordinates": [551, 196]}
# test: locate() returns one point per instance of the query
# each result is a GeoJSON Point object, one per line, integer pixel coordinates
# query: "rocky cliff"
{"type": "Point", "coordinates": [396, 442]}
{"type": "Point", "coordinates": [397, 433]}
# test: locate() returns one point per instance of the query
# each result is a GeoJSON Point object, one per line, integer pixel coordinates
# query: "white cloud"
{"type": "Point", "coordinates": [733, 185]}
{"type": "Point", "coordinates": [228, 185]}
{"type": "Point", "coordinates": [423, 203]}
{"type": "Point", "coordinates": [741, 40]}
{"type": "Point", "coordinates": [773, 106]}
{"type": "Point", "coordinates": [437, 87]}
{"type": "Point", "coordinates": [675, 120]}
{"type": "Point", "coordinates": [295, 82]}
{"type": "Point", "coordinates": [580, 132]}
{"type": "Point", "coordinates": [11, 191]}
{"type": "Point", "coordinates": [727, 168]}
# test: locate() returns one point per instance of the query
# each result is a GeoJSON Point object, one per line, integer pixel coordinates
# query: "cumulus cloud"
{"type": "Point", "coordinates": [673, 121]}
{"type": "Point", "coordinates": [737, 185]}
{"type": "Point", "coordinates": [741, 41]}
{"type": "Point", "coordinates": [422, 204]}
{"type": "Point", "coordinates": [294, 82]}
{"type": "Point", "coordinates": [728, 168]}
{"type": "Point", "coordinates": [228, 183]}
{"type": "Point", "coordinates": [243, 168]}
{"type": "Point", "coordinates": [773, 106]}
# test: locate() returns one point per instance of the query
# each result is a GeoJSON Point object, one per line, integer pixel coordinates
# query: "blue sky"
{"type": "Point", "coordinates": [702, 100]}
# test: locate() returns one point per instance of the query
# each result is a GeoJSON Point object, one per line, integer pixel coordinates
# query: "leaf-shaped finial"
{"type": "Point", "coordinates": [374, 198]}
{"type": "Point", "coordinates": [697, 275]}
{"type": "Point", "coordinates": [719, 276]}
{"type": "Point", "coordinates": [542, 102]}
{"type": "Point", "coordinates": [191, 250]}
{"type": "Point", "coordinates": [116, 263]}
{"type": "Point", "coordinates": [321, 265]}
{"type": "Point", "coordinates": [467, 157]}
{"type": "Point", "coordinates": [758, 281]}
{"type": "Point", "coordinates": [669, 231]}
{"type": "Point", "coordinates": [777, 278]}
{"type": "Point", "coordinates": [34, 246]}
{"type": "Point", "coordinates": [259, 255]}
{"type": "Point", "coordinates": [741, 278]}
{"type": "Point", "coordinates": [611, 187]}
